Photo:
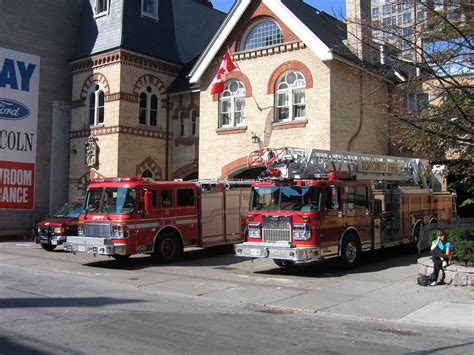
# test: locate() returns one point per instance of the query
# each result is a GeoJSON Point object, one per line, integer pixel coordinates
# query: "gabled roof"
{"type": "Point", "coordinates": [322, 33]}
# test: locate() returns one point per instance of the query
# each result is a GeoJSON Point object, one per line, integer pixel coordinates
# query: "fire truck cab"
{"type": "Point", "coordinates": [126, 216]}
{"type": "Point", "coordinates": [311, 205]}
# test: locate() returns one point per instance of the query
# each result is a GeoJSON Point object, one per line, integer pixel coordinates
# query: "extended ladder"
{"type": "Point", "coordinates": [299, 163]}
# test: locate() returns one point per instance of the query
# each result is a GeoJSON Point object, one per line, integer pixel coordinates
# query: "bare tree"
{"type": "Point", "coordinates": [432, 109]}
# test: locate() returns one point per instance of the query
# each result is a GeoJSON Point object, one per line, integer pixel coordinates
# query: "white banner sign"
{"type": "Point", "coordinates": [19, 89]}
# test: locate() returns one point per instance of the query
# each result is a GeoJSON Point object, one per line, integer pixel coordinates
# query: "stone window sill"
{"type": "Point", "coordinates": [231, 130]}
{"type": "Point", "coordinates": [289, 124]}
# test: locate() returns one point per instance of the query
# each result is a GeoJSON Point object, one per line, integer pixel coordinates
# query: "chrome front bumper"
{"type": "Point", "coordinates": [52, 240]}
{"type": "Point", "coordinates": [96, 246]}
{"type": "Point", "coordinates": [275, 251]}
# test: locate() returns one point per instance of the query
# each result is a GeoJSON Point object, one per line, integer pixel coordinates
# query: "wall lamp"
{"type": "Point", "coordinates": [255, 138]}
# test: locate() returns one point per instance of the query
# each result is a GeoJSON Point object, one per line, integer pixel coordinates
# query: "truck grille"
{"type": "Point", "coordinates": [97, 230]}
{"type": "Point", "coordinates": [44, 231]}
{"type": "Point", "coordinates": [276, 229]}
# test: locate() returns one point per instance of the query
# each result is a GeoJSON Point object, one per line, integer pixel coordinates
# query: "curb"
{"type": "Point", "coordinates": [455, 275]}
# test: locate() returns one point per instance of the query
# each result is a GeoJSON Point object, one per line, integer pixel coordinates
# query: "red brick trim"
{"type": "Point", "coordinates": [149, 79]}
{"type": "Point", "coordinates": [102, 60]}
{"type": "Point", "coordinates": [290, 65]}
{"type": "Point", "coordinates": [91, 80]}
{"type": "Point", "coordinates": [134, 131]}
{"type": "Point", "coordinates": [185, 170]}
{"type": "Point", "coordinates": [236, 130]}
{"type": "Point", "coordinates": [237, 75]}
{"type": "Point", "coordinates": [288, 125]}
{"type": "Point", "coordinates": [149, 163]}
{"type": "Point", "coordinates": [232, 166]}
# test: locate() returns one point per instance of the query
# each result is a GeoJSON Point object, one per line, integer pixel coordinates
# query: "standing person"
{"type": "Point", "coordinates": [441, 250]}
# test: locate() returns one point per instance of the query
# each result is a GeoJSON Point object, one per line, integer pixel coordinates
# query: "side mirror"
{"type": "Point", "coordinates": [148, 202]}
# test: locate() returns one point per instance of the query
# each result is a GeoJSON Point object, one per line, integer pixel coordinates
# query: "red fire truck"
{"type": "Point", "coordinates": [314, 204]}
{"type": "Point", "coordinates": [125, 216]}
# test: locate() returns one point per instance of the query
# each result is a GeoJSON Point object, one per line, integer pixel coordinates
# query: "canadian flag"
{"type": "Point", "coordinates": [226, 67]}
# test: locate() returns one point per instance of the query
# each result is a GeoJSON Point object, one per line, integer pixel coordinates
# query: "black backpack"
{"type": "Point", "coordinates": [423, 280]}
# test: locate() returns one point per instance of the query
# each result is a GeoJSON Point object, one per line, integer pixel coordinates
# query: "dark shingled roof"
{"type": "Point", "coordinates": [182, 32]}
{"type": "Point", "coordinates": [331, 31]}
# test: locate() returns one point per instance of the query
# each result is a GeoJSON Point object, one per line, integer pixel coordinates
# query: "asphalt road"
{"type": "Point", "coordinates": [208, 302]}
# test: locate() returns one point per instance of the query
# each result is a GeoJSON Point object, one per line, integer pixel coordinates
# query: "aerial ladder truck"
{"type": "Point", "coordinates": [312, 204]}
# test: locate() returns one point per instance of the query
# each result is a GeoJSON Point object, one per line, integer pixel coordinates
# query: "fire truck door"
{"type": "Point", "coordinates": [358, 214]}
{"type": "Point", "coordinates": [147, 226]}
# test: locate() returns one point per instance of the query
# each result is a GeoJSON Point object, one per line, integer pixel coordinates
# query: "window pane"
{"type": "Point", "coordinates": [299, 110]}
{"type": "Point", "coordinates": [283, 113]}
{"type": "Point", "coordinates": [283, 99]}
{"type": "Point", "coordinates": [299, 97]}
{"type": "Point", "coordinates": [225, 106]}
{"type": "Point", "coordinates": [153, 117]}
{"type": "Point", "coordinates": [185, 197]}
{"type": "Point", "coordinates": [100, 112]}
{"type": "Point", "coordinates": [225, 119]}
{"type": "Point", "coordinates": [166, 200]}
{"type": "Point", "coordinates": [239, 118]}
{"type": "Point", "coordinates": [143, 99]}
{"type": "Point", "coordinates": [142, 116]}
{"type": "Point", "coordinates": [265, 33]}
{"type": "Point", "coordinates": [101, 98]}
{"type": "Point", "coordinates": [154, 102]}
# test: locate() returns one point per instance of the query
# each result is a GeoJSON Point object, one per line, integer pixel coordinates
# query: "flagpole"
{"type": "Point", "coordinates": [254, 99]}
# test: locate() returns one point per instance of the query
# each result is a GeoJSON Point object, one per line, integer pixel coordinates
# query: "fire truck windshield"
{"type": "Point", "coordinates": [111, 200]}
{"type": "Point", "coordinates": [285, 198]}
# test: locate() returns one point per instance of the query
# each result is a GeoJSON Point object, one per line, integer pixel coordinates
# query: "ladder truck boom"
{"type": "Point", "coordinates": [309, 163]}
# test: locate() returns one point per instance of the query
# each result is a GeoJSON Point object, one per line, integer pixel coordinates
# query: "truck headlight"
{"type": "Point", "coordinates": [254, 230]}
{"type": "Point", "coordinates": [80, 230]}
{"type": "Point", "coordinates": [58, 230]}
{"type": "Point", "coordinates": [119, 231]}
{"type": "Point", "coordinates": [301, 231]}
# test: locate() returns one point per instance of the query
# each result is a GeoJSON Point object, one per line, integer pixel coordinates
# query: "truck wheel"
{"type": "Point", "coordinates": [167, 248]}
{"type": "Point", "coordinates": [350, 251]}
{"type": "Point", "coordinates": [48, 247]}
{"type": "Point", "coordinates": [287, 264]}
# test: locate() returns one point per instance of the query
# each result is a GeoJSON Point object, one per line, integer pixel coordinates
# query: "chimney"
{"type": "Point", "coordinates": [359, 33]}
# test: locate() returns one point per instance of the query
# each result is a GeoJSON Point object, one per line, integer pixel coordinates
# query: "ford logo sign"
{"type": "Point", "coordinates": [13, 110]}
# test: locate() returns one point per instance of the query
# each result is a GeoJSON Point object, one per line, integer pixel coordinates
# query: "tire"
{"type": "Point", "coordinates": [48, 247]}
{"type": "Point", "coordinates": [287, 264]}
{"type": "Point", "coordinates": [350, 251]}
{"type": "Point", "coordinates": [167, 248]}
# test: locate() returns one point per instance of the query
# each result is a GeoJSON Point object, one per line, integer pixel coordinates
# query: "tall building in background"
{"type": "Point", "coordinates": [400, 22]}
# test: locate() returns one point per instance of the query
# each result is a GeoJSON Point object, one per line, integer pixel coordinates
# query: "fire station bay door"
{"type": "Point", "coordinates": [221, 216]}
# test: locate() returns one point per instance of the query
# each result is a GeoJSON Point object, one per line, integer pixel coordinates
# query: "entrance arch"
{"type": "Point", "coordinates": [238, 170]}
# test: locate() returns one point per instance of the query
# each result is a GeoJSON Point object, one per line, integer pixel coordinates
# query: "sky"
{"type": "Point", "coordinates": [332, 7]}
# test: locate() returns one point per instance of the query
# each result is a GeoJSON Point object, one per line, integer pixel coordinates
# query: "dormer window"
{"type": "Point", "coordinates": [101, 7]}
{"type": "Point", "coordinates": [150, 8]}
{"type": "Point", "coordinates": [264, 34]}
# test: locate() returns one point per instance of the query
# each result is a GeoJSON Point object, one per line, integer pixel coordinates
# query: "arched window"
{"type": "Point", "coordinates": [148, 110]}
{"type": "Point", "coordinates": [232, 104]}
{"type": "Point", "coordinates": [96, 100]}
{"type": "Point", "coordinates": [181, 124]}
{"type": "Point", "coordinates": [263, 34]}
{"type": "Point", "coordinates": [193, 124]}
{"type": "Point", "coordinates": [290, 97]}
{"type": "Point", "coordinates": [147, 174]}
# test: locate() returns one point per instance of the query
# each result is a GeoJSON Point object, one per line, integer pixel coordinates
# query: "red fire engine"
{"type": "Point", "coordinates": [125, 216]}
{"type": "Point", "coordinates": [314, 204]}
